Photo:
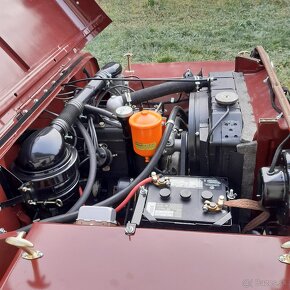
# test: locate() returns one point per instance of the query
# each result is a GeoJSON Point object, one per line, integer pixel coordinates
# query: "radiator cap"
{"type": "Point", "coordinates": [226, 98]}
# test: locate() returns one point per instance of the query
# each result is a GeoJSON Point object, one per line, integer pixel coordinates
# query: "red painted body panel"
{"type": "Point", "coordinates": [175, 69]}
{"type": "Point", "coordinates": [7, 253]}
{"type": "Point", "coordinates": [45, 38]}
{"type": "Point", "coordinates": [81, 257]}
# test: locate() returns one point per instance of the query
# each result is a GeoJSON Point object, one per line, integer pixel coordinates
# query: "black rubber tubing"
{"type": "Point", "coordinates": [71, 216]}
{"type": "Point", "coordinates": [161, 90]}
{"type": "Point", "coordinates": [93, 168]}
{"type": "Point", "coordinates": [75, 106]}
{"type": "Point", "coordinates": [99, 111]}
{"type": "Point", "coordinates": [277, 154]}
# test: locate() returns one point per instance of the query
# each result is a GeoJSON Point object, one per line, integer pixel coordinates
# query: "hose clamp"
{"type": "Point", "coordinates": [170, 122]}
{"type": "Point", "coordinates": [128, 97]}
{"type": "Point", "coordinates": [77, 104]}
{"type": "Point", "coordinates": [104, 74]}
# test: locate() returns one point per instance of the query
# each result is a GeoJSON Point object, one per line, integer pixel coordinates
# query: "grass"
{"type": "Point", "coordinates": [189, 30]}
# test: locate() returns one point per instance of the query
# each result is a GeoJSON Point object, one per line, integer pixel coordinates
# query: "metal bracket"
{"type": "Point", "coordinates": [130, 229]}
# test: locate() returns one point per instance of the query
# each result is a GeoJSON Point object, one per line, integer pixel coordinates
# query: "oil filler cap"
{"type": "Point", "coordinates": [165, 193]}
{"type": "Point", "coordinates": [185, 194]}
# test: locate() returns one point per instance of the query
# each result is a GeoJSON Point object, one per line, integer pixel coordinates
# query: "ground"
{"type": "Point", "coordinates": [188, 30]}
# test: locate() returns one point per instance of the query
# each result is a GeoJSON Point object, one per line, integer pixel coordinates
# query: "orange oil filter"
{"type": "Point", "coordinates": [146, 128]}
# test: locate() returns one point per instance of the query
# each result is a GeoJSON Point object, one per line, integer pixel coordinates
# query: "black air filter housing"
{"type": "Point", "coordinates": [48, 167]}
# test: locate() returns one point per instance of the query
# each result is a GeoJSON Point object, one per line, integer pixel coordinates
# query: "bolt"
{"type": "Point", "coordinates": [26, 189]}
{"type": "Point", "coordinates": [2, 231]}
{"type": "Point", "coordinates": [143, 191]}
{"type": "Point", "coordinates": [24, 112]}
{"type": "Point", "coordinates": [231, 194]}
{"type": "Point", "coordinates": [129, 230]}
{"type": "Point", "coordinates": [102, 124]}
{"type": "Point", "coordinates": [45, 90]}
{"type": "Point", "coordinates": [128, 55]}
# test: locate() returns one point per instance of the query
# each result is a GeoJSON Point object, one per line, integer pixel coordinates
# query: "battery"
{"type": "Point", "coordinates": [180, 205]}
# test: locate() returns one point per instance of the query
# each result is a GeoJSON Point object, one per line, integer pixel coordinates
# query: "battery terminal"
{"type": "Point", "coordinates": [210, 206]}
{"type": "Point", "coordinates": [160, 180]}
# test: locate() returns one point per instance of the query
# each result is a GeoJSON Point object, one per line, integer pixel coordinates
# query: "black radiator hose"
{"type": "Point", "coordinates": [75, 107]}
{"type": "Point", "coordinates": [70, 217]}
{"type": "Point", "coordinates": [163, 89]}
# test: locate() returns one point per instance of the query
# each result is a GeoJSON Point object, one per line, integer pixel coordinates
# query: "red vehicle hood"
{"type": "Point", "coordinates": [85, 257]}
{"type": "Point", "coordinates": [26, 54]}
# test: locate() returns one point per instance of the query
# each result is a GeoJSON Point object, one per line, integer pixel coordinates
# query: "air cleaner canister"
{"type": "Point", "coordinates": [146, 128]}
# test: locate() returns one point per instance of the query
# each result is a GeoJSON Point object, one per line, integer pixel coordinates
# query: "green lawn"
{"type": "Point", "coordinates": [188, 30]}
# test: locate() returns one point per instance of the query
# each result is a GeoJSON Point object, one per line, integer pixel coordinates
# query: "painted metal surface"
{"type": "Point", "coordinates": [46, 36]}
{"type": "Point", "coordinates": [81, 257]}
{"type": "Point", "coordinates": [7, 253]}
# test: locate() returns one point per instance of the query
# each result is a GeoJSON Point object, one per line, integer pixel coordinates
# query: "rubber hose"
{"type": "Point", "coordinates": [160, 90]}
{"type": "Point", "coordinates": [71, 216]}
{"type": "Point", "coordinates": [92, 171]}
{"type": "Point", "coordinates": [99, 111]}
{"type": "Point", "coordinates": [75, 106]}
{"type": "Point", "coordinates": [112, 123]}
{"type": "Point", "coordinates": [150, 166]}
{"type": "Point", "coordinates": [277, 154]}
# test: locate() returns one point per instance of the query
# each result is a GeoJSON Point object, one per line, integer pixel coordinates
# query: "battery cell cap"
{"type": "Point", "coordinates": [185, 194]}
{"type": "Point", "coordinates": [165, 193]}
{"type": "Point", "coordinates": [206, 195]}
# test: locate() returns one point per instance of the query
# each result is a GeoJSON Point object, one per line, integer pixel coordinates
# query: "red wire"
{"type": "Point", "coordinates": [132, 192]}
{"type": "Point", "coordinates": [80, 191]}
